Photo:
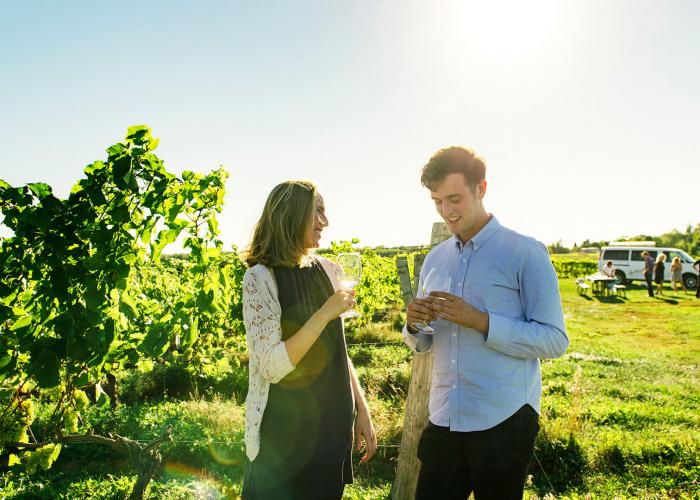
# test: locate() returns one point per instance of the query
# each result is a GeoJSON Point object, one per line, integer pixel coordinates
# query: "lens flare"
{"type": "Point", "coordinates": [227, 454]}
{"type": "Point", "coordinates": [202, 485]}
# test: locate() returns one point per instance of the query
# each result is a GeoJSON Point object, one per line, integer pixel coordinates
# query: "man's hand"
{"type": "Point", "coordinates": [452, 308]}
{"type": "Point", "coordinates": [420, 311]}
{"type": "Point", "coordinates": [364, 431]}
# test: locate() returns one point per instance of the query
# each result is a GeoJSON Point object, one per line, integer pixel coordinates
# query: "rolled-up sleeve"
{"type": "Point", "coordinates": [263, 329]}
{"type": "Point", "coordinates": [542, 334]}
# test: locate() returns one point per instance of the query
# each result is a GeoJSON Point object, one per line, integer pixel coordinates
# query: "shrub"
{"type": "Point", "coordinates": [176, 381]}
{"type": "Point", "coordinates": [574, 268]}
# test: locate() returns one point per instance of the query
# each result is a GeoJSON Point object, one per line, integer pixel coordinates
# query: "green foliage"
{"type": "Point", "coordinates": [175, 484]}
{"type": "Point", "coordinates": [378, 289]}
{"type": "Point", "coordinates": [579, 256]}
{"type": "Point", "coordinates": [65, 486]}
{"type": "Point", "coordinates": [203, 430]}
{"type": "Point", "coordinates": [402, 250]}
{"type": "Point", "coordinates": [591, 244]}
{"type": "Point", "coordinates": [204, 322]}
{"type": "Point", "coordinates": [177, 381]}
{"type": "Point", "coordinates": [69, 310]}
{"type": "Point", "coordinates": [574, 268]}
{"type": "Point", "coordinates": [388, 381]}
{"type": "Point", "coordinates": [688, 240]}
{"type": "Point", "coordinates": [343, 246]}
{"type": "Point", "coordinates": [558, 248]}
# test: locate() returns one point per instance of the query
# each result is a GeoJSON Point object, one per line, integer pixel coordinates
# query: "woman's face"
{"type": "Point", "coordinates": [318, 223]}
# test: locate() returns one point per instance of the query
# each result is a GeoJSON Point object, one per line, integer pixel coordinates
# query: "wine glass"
{"type": "Point", "coordinates": [349, 276]}
{"type": "Point", "coordinates": [437, 280]}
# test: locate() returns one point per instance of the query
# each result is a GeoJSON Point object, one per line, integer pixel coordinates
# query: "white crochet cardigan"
{"type": "Point", "coordinates": [268, 359]}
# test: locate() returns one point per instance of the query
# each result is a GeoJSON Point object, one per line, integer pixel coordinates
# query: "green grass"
{"type": "Point", "coordinates": [621, 415]}
{"type": "Point", "coordinates": [628, 392]}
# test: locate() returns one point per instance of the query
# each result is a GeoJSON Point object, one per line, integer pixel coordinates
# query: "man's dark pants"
{"type": "Point", "coordinates": [650, 287]}
{"type": "Point", "coordinates": [492, 463]}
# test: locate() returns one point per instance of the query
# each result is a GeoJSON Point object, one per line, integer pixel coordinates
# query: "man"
{"type": "Point", "coordinates": [503, 313]}
{"type": "Point", "coordinates": [696, 266]}
{"type": "Point", "coordinates": [648, 271]}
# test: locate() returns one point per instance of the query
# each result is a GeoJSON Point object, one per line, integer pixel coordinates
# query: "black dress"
{"type": "Point", "coordinates": [306, 429]}
{"type": "Point", "coordinates": [659, 273]}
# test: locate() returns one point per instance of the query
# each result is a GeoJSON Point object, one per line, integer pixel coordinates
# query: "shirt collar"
{"type": "Point", "coordinates": [480, 238]}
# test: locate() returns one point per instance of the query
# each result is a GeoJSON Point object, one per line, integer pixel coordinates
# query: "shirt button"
{"type": "Point", "coordinates": [464, 260]}
{"type": "Point", "coordinates": [454, 334]}
{"type": "Point", "coordinates": [454, 386]}
{"type": "Point", "coordinates": [453, 360]}
{"type": "Point", "coordinates": [459, 285]}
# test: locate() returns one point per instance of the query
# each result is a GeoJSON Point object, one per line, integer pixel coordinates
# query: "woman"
{"type": "Point", "coordinates": [302, 388]}
{"type": "Point", "coordinates": [659, 273]}
{"type": "Point", "coordinates": [677, 274]}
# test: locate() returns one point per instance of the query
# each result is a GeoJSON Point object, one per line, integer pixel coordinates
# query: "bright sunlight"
{"type": "Point", "coordinates": [509, 29]}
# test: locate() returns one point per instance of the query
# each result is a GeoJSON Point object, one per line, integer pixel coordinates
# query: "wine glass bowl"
{"type": "Point", "coordinates": [349, 274]}
{"type": "Point", "coordinates": [437, 280]}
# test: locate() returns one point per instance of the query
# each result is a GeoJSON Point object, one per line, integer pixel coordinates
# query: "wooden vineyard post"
{"type": "Point", "coordinates": [416, 418]}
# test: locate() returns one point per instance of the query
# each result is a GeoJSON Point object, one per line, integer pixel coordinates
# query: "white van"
{"type": "Point", "coordinates": [629, 264]}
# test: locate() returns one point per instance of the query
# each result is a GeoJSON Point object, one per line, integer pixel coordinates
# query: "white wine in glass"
{"type": "Point", "coordinates": [349, 276]}
{"type": "Point", "coordinates": [437, 280]}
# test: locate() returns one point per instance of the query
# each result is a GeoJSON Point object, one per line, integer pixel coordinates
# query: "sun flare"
{"type": "Point", "coordinates": [509, 29]}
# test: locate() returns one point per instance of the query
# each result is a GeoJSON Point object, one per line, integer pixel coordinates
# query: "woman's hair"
{"type": "Point", "coordinates": [609, 263]}
{"type": "Point", "coordinates": [676, 262]}
{"type": "Point", "coordinates": [661, 257]}
{"type": "Point", "coordinates": [279, 238]}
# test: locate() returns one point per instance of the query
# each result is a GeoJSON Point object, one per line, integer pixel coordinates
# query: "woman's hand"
{"type": "Point", "coordinates": [337, 304]}
{"type": "Point", "coordinates": [364, 430]}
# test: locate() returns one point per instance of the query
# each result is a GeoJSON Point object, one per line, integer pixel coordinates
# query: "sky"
{"type": "Point", "coordinates": [587, 112]}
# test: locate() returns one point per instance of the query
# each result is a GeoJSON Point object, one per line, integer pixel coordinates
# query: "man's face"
{"type": "Point", "coordinates": [460, 206]}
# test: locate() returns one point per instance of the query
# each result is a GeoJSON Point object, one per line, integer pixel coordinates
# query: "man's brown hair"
{"type": "Point", "coordinates": [454, 160]}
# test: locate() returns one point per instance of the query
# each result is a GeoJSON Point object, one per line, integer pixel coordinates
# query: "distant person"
{"type": "Point", "coordinates": [609, 271]}
{"type": "Point", "coordinates": [503, 314]}
{"type": "Point", "coordinates": [659, 273]}
{"type": "Point", "coordinates": [696, 266]}
{"type": "Point", "coordinates": [648, 271]}
{"type": "Point", "coordinates": [303, 390]}
{"type": "Point", "coordinates": [677, 274]}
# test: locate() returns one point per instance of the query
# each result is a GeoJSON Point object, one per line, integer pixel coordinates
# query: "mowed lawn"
{"type": "Point", "coordinates": [628, 391]}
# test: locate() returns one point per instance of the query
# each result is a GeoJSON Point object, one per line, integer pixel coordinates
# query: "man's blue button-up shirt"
{"type": "Point", "coordinates": [479, 382]}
